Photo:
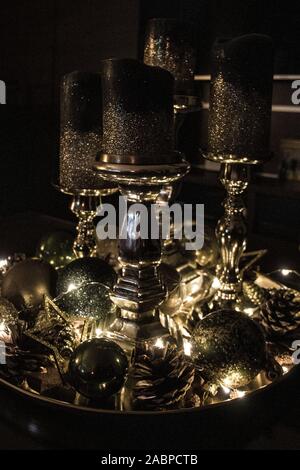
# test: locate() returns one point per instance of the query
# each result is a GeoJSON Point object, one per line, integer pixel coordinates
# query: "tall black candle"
{"type": "Point", "coordinates": [138, 117]}
{"type": "Point", "coordinates": [170, 44]}
{"type": "Point", "coordinates": [81, 130]}
{"type": "Point", "coordinates": [240, 99]}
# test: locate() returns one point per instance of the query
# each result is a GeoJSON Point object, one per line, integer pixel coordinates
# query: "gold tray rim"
{"type": "Point", "coordinates": [80, 408]}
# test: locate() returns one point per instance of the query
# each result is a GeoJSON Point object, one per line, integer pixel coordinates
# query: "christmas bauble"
{"type": "Point", "coordinates": [228, 348]}
{"type": "Point", "coordinates": [82, 271]}
{"type": "Point", "coordinates": [56, 248]}
{"type": "Point", "coordinates": [90, 300]}
{"type": "Point", "coordinates": [98, 368]}
{"type": "Point", "coordinates": [26, 283]}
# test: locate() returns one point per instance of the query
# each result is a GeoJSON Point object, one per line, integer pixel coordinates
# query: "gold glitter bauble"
{"type": "Point", "coordinates": [228, 348]}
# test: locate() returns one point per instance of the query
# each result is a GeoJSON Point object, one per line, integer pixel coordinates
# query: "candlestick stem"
{"type": "Point", "coordinates": [231, 233]}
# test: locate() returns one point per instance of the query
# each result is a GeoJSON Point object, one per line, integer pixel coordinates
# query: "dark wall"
{"type": "Point", "coordinates": [214, 18]}
{"type": "Point", "coordinates": [40, 41]}
{"type": "Point", "coordinates": [43, 39]}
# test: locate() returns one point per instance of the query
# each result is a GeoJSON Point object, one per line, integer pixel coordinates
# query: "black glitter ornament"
{"type": "Point", "coordinates": [82, 271]}
{"type": "Point", "coordinates": [138, 121]}
{"type": "Point", "coordinates": [240, 99]}
{"type": "Point", "coordinates": [90, 300]}
{"type": "Point", "coordinates": [228, 348]}
{"type": "Point", "coordinates": [26, 283]}
{"type": "Point", "coordinates": [170, 44]}
{"type": "Point", "coordinates": [98, 368]}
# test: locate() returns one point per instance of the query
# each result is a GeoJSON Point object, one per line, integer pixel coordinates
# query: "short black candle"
{"type": "Point", "coordinates": [240, 99]}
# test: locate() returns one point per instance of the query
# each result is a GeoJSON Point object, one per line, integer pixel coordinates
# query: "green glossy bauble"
{"type": "Point", "coordinates": [228, 348]}
{"type": "Point", "coordinates": [90, 300]}
{"type": "Point", "coordinates": [26, 283]}
{"type": "Point", "coordinates": [98, 368]}
{"type": "Point", "coordinates": [82, 271]}
{"type": "Point", "coordinates": [56, 249]}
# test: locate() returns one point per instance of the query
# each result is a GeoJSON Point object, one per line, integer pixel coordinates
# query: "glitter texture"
{"type": "Point", "coordinates": [240, 98]}
{"type": "Point", "coordinates": [90, 300]}
{"type": "Point", "coordinates": [129, 133]}
{"type": "Point", "coordinates": [137, 110]}
{"type": "Point", "coordinates": [170, 45]}
{"type": "Point", "coordinates": [81, 130]}
{"type": "Point", "coordinates": [8, 313]}
{"type": "Point", "coordinates": [84, 270]}
{"type": "Point", "coordinates": [229, 348]}
{"type": "Point", "coordinates": [77, 155]}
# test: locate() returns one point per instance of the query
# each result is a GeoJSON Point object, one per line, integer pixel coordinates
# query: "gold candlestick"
{"type": "Point", "coordinates": [84, 204]}
{"type": "Point", "coordinates": [231, 234]}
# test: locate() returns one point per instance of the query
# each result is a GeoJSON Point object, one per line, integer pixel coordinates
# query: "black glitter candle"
{"type": "Point", "coordinates": [170, 44]}
{"type": "Point", "coordinates": [138, 121]}
{"type": "Point", "coordinates": [81, 130]}
{"type": "Point", "coordinates": [240, 99]}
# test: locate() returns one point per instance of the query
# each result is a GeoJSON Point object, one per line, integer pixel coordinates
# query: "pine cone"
{"type": "Point", "coordinates": [20, 364]}
{"type": "Point", "coordinates": [160, 378]}
{"type": "Point", "coordinates": [60, 336]}
{"type": "Point", "coordinates": [280, 313]}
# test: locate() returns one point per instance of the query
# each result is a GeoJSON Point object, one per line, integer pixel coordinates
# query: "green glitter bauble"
{"type": "Point", "coordinates": [56, 249]}
{"type": "Point", "coordinates": [82, 271]}
{"type": "Point", "coordinates": [228, 348]}
{"type": "Point", "coordinates": [89, 301]}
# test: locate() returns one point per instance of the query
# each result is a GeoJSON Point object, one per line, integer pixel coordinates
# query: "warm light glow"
{"type": "Point", "coordinates": [159, 343]}
{"type": "Point", "coordinates": [187, 347]}
{"type": "Point", "coordinates": [240, 393]}
{"type": "Point", "coordinates": [98, 332]}
{"type": "Point", "coordinates": [3, 263]}
{"type": "Point", "coordinates": [227, 382]}
{"type": "Point", "coordinates": [285, 369]}
{"type": "Point", "coordinates": [285, 272]}
{"type": "Point", "coordinates": [249, 311]}
{"type": "Point", "coordinates": [225, 389]}
{"type": "Point", "coordinates": [216, 283]}
{"type": "Point", "coordinates": [71, 287]}
{"type": "Point", "coordinates": [237, 394]}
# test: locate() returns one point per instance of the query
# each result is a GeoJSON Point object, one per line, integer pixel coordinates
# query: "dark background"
{"type": "Point", "coordinates": [40, 40]}
{"type": "Point", "coordinates": [43, 39]}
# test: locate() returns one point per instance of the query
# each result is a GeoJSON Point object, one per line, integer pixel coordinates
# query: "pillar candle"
{"type": "Point", "coordinates": [138, 121]}
{"type": "Point", "coordinates": [81, 130]}
{"type": "Point", "coordinates": [240, 99]}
